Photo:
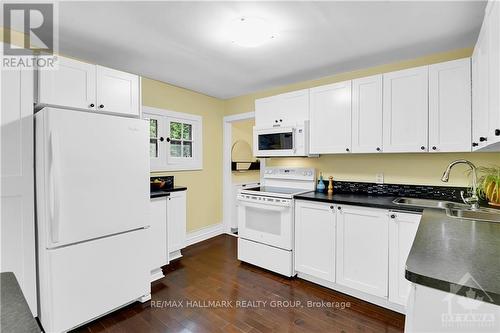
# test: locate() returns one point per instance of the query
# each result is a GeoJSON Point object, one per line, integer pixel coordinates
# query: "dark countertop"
{"type": "Point", "coordinates": [374, 201]}
{"type": "Point", "coordinates": [448, 253]}
{"type": "Point", "coordinates": [15, 312]}
{"type": "Point", "coordinates": [456, 254]}
{"type": "Point", "coordinates": [166, 192]}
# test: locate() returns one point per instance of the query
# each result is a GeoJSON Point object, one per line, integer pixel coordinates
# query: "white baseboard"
{"type": "Point", "coordinates": [205, 233]}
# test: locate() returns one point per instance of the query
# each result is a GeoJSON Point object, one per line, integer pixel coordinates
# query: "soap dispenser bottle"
{"type": "Point", "coordinates": [321, 185]}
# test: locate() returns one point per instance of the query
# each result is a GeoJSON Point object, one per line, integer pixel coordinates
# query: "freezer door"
{"type": "Point", "coordinates": [84, 281]}
{"type": "Point", "coordinates": [92, 175]}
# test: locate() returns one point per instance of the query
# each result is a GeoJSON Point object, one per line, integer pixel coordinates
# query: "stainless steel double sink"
{"type": "Point", "coordinates": [453, 209]}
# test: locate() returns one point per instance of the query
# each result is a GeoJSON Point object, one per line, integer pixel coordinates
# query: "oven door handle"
{"type": "Point", "coordinates": [265, 206]}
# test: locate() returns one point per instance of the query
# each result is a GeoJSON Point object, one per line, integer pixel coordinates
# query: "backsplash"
{"type": "Point", "coordinates": [399, 190]}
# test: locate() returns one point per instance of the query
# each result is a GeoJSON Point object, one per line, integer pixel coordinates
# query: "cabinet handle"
{"type": "Point", "coordinates": [393, 216]}
{"type": "Point", "coordinates": [339, 208]}
{"type": "Point", "coordinates": [161, 139]}
{"type": "Point", "coordinates": [331, 207]}
{"type": "Point", "coordinates": [482, 139]}
{"type": "Point", "coordinates": [434, 148]}
{"type": "Point", "coordinates": [276, 121]}
{"type": "Point", "coordinates": [101, 106]}
{"type": "Point", "coordinates": [378, 148]}
{"type": "Point", "coordinates": [422, 148]}
{"type": "Point", "coordinates": [475, 144]}
{"type": "Point", "coordinates": [281, 120]}
{"type": "Point", "coordinates": [497, 132]}
{"type": "Point", "coordinates": [347, 149]}
{"type": "Point", "coordinates": [168, 139]}
{"type": "Point", "coordinates": [91, 105]}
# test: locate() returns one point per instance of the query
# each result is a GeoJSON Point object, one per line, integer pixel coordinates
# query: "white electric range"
{"type": "Point", "coordinates": [266, 218]}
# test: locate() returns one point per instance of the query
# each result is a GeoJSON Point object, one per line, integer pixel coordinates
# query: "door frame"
{"type": "Point", "coordinates": [227, 122]}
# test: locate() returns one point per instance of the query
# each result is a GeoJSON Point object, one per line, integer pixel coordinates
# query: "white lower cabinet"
{"type": "Point", "coordinates": [158, 236]}
{"type": "Point", "coordinates": [362, 249]}
{"type": "Point", "coordinates": [167, 232]}
{"type": "Point", "coordinates": [402, 230]}
{"type": "Point", "coordinates": [315, 239]}
{"type": "Point", "coordinates": [176, 216]}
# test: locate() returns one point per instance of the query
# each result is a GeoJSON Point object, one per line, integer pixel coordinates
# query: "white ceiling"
{"type": "Point", "coordinates": [182, 42]}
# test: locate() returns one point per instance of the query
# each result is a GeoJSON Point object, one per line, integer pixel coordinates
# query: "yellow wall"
{"type": "Point", "coordinates": [397, 168]}
{"type": "Point", "coordinates": [243, 130]}
{"type": "Point", "coordinates": [204, 196]}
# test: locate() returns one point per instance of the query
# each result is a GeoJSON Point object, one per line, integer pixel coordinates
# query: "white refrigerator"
{"type": "Point", "coordinates": [92, 197]}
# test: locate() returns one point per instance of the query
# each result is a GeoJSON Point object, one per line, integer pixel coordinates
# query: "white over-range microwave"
{"type": "Point", "coordinates": [282, 141]}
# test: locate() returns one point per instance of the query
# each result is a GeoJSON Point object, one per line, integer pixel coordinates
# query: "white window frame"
{"type": "Point", "coordinates": [165, 162]}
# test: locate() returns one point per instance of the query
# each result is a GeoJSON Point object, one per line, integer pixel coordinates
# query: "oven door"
{"type": "Point", "coordinates": [266, 220]}
{"type": "Point", "coordinates": [278, 141]}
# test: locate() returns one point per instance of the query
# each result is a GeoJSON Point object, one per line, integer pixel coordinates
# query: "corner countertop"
{"type": "Point", "coordinates": [448, 253]}
{"type": "Point", "coordinates": [15, 312]}
{"type": "Point", "coordinates": [456, 254]}
{"type": "Point", "coordinates": [166, 192]}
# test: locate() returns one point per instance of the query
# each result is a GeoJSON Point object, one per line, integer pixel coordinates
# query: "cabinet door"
{"type": "Point", "coordinates": [402, 230]}
{"type": "Point", "coordinates": [367, 114]}
{"type": "Point", "coordinates": [117, 92]}
{"type": "Point", "coordinates": [450, 114]}
{"type": "Point", "coordinates": [330, 118]}
{"type": "Point", "coordinates": [406, 110]}
{"type": "Point", "coordinates": [480, 90]}
{"type": "Point", "coordinates": [266, 111]}
{"type": "Point", "coordinates": [362, 249]}
{"type": "Point", "coordinates": [17, 239]}
{"type": "Point", "coordinates": [294, 107]}
{"type": "Point", "coordinates": [493, 18]}
{"type": "Point", "coordinates": [315, 239]}
{"type": "Point", "coordinates": [72, 84]}
{"type": "Point", "coordinates": [176, 217]}
{"type": "Point", "coordinates": [158, 233]}
{"type": "Point", "coordinates": [285, 109]}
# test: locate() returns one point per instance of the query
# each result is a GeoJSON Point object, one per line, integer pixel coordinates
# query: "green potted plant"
{"type": "Point", "coordinates": [489, 184]}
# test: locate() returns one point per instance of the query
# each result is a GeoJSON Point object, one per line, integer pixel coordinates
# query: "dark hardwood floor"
{"type": "Point", "coordinates": [209, 271]}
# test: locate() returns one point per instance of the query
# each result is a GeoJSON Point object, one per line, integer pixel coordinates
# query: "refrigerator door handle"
{"type": "Point", "coordinates": [54, 175]}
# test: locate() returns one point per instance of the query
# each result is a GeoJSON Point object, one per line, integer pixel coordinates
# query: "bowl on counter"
{"type": "Point", "coordinates": [155, 186]}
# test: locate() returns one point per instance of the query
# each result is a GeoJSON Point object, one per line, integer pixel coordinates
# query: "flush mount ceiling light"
{"type": "Point", "coordinates": [251, 31]}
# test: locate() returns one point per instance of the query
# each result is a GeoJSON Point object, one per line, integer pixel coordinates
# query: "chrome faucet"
{"type": "Point", "coordinates": [473, 200]}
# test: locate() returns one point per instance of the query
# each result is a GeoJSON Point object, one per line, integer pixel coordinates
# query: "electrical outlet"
{"type": "Point", "coordinates": [379, 178]}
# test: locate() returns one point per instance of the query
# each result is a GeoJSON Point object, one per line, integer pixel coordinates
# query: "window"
{"type": "Point", "coordinates": [175, 140]}
{"type": "Point", "coordinates": [181, 142]}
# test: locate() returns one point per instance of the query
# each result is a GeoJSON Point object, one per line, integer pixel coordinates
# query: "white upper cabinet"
{"type": "Point", "coordinates": [493, 17]}
{"type": "Point", "coordinates": [367, 114]}
{"type": "Point", "coordinates": [486, 83]}
{"type": "Point", "coordinates": [480, 86]}
{"type": "Point", "coordinates": [330, 118]}
{"type": "Point", "coordinates": [315, 239]}
{"type": "Point", "coordinates": [72, 83]}
{"type": "Point", "coordinates": [450, 106]}
{"type": "Point", "coordinates": [362, 249]}
{"type": "Point", "coordinates": [402, 230]}
{"type": "Point", "coordinates": [285, 109]}
{"type": "Point", "coordinates": [406, 110]}
{"type": "Point", "coordinates": [117, 91]}
{"type": "Point", "coordinates": [76, 84]}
